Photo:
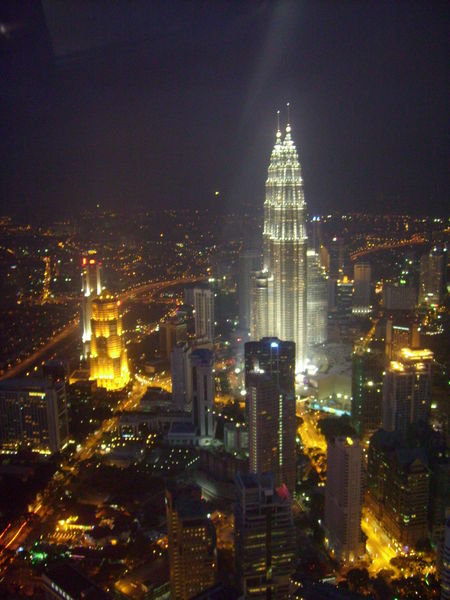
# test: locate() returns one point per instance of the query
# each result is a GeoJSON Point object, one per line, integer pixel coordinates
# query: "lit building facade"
{"type": "Point", "coordinates": [33, 414]}
{"type": "Point", "coordinates": [261, 305]}
{"type": "Point", "coordinates": [204, 313]}
{"type": "Point", "coordinates": [270, 409]}
{"type": "Point", "coordinates": [108, 355]}
{"type": "Point", "coordinates": [192, 543]}
{"type": "Point", "coordinates": [285, 243]}
{"type": "Point", "coordinates": [343, 498]}
{"type": "Point", "coordinates": [431, 284]}
{"type": "Point", "coordinates": [91, 287]}
{"type": "Point", "coordinates": [398, 481]}
{"type": "Point", "coordinates": [202, 390]}
{"type": "Point", "coordinates": [362, 274]}
{"type": "Point", "coordinates": [317, 301]}
{"type": "Point", "coordinates": [264, 537]}
{"type": "Point", "coordinates": [407, 390]}
{"type": "Point", "coordinates": [367, 389]}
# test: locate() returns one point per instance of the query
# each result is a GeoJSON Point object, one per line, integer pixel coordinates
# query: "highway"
{"type": "Point", "coordinates": [72, 327]}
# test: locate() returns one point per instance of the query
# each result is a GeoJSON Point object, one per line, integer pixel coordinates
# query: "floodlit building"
{"type": "Point", "coordinates": [33, 414]}
{"type": "Point", "coordinates": [317, 301]}
{"type": "Point", "coordinates": [407, 390]}
{"type": "Point", "coordinates": [201, 362]}
{"type": "Point", "coordinates": [204, 313]}
{"type": "Point", "coordinates": [192, 543]}
{"type": "Point", "coordinates": [343, 498]}
{"type": "Point", "coordinates": [285, 243]}
{"type": "Point", "coordinates": [171, 332]}
{"type": "Point", "coordinates": [91, 286]}
{"type": "Point", "coordinates": [264, 537]}
{"type": "Point", "coordinates": [108, 356]}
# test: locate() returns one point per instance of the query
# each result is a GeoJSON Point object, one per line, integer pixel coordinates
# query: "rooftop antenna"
{"type": "Point", "coordinates": [278, 125]}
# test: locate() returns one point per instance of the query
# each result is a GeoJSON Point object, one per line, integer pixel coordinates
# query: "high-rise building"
{"type": "Point", "coordinates": [367, 389]}
{"type": "Point", "coordinates": [336, 253]}
{"type": "Point", "coordinates": [181, 375]}
{"type": "Point", "coordinates": [192, 543]}
{"type": "Point", "coordinates": [285, 242]}
{"type": "Point", "coordinates": [171, 332]}
{"type": "Point", "coordinates": [273, 357]}
{"type": "Point", "coordinates": [270, 409]}
{"type": "Point", "coordinates": [400, 334]}
{"type": "Point", "coordinates": [264, 537]}
{"type": "Point", "coordinates": [108, 357]}
{"type": "Point", "coordinates": [201, 363]}
{"type": "Point", "coordinates": [407, 390]}
{"type": "Point", "coordinates": [343, 498]}
{"type": "Point", "coordinates": [91, 286]}
{"type": "Point", "coordinates": [249, 262]}
{"type": "Point", "coordinates": [204, 313]}
{"type": "Point", "coordinates": [398, 481]}
{"type": "Point", "coordinates": [431, 284]}
{"type": "Point", "coordinates": [399, 297]}
{"type": "Point", "coordinates": [261, 305]}
{"type": "Point", "coordinates": [317, 301]}
{"type": "Point", "coordinates": [33, 414]}
{"type": "Point", "coordinates": [361, 288]}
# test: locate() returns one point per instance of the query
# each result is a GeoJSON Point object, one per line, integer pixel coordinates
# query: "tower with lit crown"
{"type": "Point", "coordinates": [285, 243]}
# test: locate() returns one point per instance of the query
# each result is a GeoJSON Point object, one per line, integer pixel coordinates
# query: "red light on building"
{"type": "Point", "coordinates": [84, 261]}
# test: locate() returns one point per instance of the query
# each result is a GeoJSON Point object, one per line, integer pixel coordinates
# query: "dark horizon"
{"type": "Point", "coordinates": [162, 106]}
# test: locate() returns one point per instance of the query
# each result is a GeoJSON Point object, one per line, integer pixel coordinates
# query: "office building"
{"type": "Point", "coordinates": [270, 408]}
{"type": "Point", "coordinates": [181, 375]}
{"type": "Point", "coordinates": [431, 282]}
{"type": "Point", "coordinates": [202, 390]}
{"type": "Point", "coordinates": [336, 258]}
{"type": "Point", "coordinates": [91, 286]}
{"type": "Point", "coordinates": [33, 415]}
{"type": "Point", "coordinates": [65, 582]}
{"type": "Point", "coordinates": [249, 262]}
{"type": "Point", "coordinates": [171, 332]}
{"type": "Point", "coordinates": [398, 481]}
{"type": "Point", "coordinates": [407, 390]}
{"type": "Point", "coordinates": [343, 498]}
{"type": "Point", "coordinates": [264, 537]}
{"type": "Point", "coordinates": [192, 543]}
{"type": "Point", "coordinates": [400, 333]}
{"type": "Point", "coordinates": [108, 355]}
{"type": "Point", "coordinates": [317, 301]}
{"type": "Point", "coordinates": [204, 313]}
{"type": "Point", "coordinates": [367, 389]}
{"type": "Point", "coordinates": [399, 296]}
{"type": "Point", "coordinates": [285, 242]}
{"type": "Point", "coordinates": [261, 305]}
{"type": "Point", "coordinates": [361, 289]}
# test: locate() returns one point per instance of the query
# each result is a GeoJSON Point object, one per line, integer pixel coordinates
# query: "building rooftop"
{"type": "Point", "coordinates": [76, 585]}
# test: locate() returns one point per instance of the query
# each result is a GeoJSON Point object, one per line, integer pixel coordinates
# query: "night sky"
{"type": "Point", "coordinates": [140, 103]}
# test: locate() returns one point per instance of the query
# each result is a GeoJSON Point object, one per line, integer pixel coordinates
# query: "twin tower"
{"type": "Point", "coordinates": [280, 289]}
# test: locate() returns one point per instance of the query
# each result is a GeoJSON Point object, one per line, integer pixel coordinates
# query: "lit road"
{"type": "Point", "coordinates": [388, 245]}
{"type": "Point", "coordinates": [379, 547]}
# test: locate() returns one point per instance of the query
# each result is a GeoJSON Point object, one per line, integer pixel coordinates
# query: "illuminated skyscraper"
{"type": "Point", "coordinates": [343, 498]}
{"type": "Point", "coordinates": [261, 305]}
{"type": "Point", "coordinates": [91, 287]}
{"type": "Point", "coordinates": [249, 261]}
{"type": "Point", "coordinates": [361, 288]}
{"type": "Point", "coordinates": [108, 357]}
{"type": "Point", "coordinates": [204, 313]}
{"type": "Point", "coordinates": [407, 390]}
{"type": "Point", "coordinates": [264, 537]}
{"type": "Point", "coordinates": [192, 542]}
{"type": "Point", "coordinates": [431, 284]}
{"type": "Point", "coordinates": [285, 244]}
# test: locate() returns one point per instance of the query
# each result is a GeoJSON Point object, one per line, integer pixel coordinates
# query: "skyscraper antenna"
{"type": "Point", "coordinates": [278, 125]}
{"type": "Point", "coordinates": [288, 124]}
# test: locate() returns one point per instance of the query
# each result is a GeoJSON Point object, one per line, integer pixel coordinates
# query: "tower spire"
{"type": "Point", "coordinates": [288, 124]}
{"type": "Point", "coordinates": [278, 126]}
